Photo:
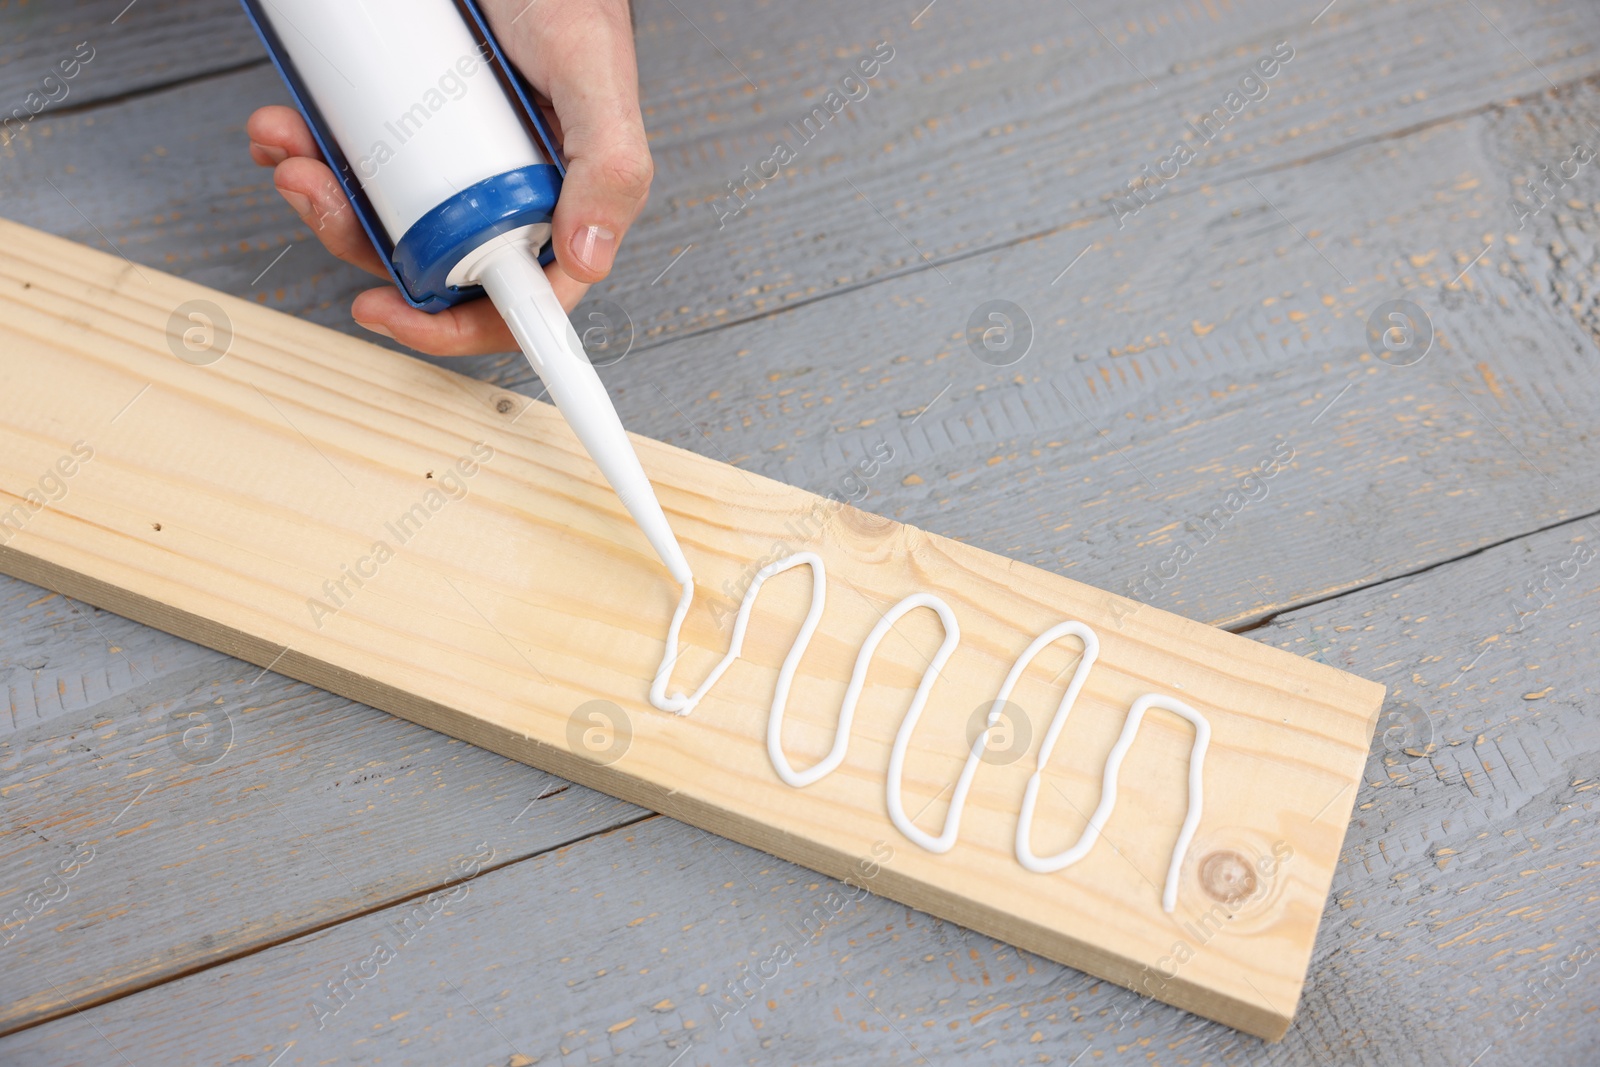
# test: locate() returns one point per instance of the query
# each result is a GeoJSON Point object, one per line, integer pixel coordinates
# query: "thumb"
{"type": "Point", "coordinates": [605, 189]}
{"type": "Point", "coordinates": [585, 58]}
{"type": "Point", "coordinates": [579, 53]}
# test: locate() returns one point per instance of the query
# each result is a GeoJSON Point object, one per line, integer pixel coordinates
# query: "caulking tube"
{"type": "Point", "coordinates": [448, 167]}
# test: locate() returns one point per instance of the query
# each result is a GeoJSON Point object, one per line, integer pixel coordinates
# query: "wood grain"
{"type": "Point", "coordinates": [500, 623]}
{"type": "Point", "coordinates": [1469, 871]}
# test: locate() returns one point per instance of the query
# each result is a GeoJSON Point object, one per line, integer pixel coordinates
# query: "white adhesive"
{"type": "Point", "coordinates": [683, 704]}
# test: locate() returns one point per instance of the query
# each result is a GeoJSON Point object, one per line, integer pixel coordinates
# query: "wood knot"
{"type": "Point", "coordinates": [865, 522]}
{"type": "Point", "coordinates": [1227, 876]}
{"type": "Point", "coordinates": [505, 405]}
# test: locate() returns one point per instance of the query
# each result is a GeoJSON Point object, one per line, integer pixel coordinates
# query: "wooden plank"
{"type": "Point", "coordinates": [90, 742]}
{"type": "Point", "coordinates": [111, 48]}
{"type": "Point", "coordinates": [1467, 889]}
{"type": "Point", "coordinates": [496, 627]}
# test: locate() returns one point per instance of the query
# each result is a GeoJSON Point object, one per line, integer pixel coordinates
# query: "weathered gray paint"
{"type": "Point", "coordinates": [131, 48]}
{"type": "Point", "coordinates": [1405, 129]}
{"type": "Point", "coordinates": [987, 130]}
{"type": "Point", "coordinates": [289, 808]}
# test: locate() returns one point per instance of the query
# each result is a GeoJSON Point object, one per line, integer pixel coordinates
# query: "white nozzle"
{"type": "Point", "coordinates": [509, 272]}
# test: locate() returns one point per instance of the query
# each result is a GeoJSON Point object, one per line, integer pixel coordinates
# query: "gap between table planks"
{"type": "Point", "coordinates": [219, 499]}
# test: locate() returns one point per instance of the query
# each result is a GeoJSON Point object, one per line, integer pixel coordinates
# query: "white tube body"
{"type": "Point", "coordinates": [407, 95]}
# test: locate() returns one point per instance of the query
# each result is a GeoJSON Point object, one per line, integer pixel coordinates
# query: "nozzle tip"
{"type": "Point", "coordinates": [678, 567]}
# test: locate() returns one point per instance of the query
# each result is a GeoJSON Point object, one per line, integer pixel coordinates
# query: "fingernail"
{"type": "Point", "coordinates": [272, 152]}
{"type": "Point", "coordinates": [377, 328]}
{"type": "Point", "coordinates": [595, 246]}
{"type": "Point", "coordinates": [299, 201]}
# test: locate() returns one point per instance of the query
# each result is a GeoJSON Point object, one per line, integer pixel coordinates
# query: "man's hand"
{"type": "Point", "coordinates": [579, 54]}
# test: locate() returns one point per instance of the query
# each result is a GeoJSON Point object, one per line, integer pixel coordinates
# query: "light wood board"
{"type": "Point", "coordinates": [220, 499]}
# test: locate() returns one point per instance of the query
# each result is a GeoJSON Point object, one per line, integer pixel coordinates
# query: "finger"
{"type": "Point", "coordinates": [568, 289]}
{"type": "Point", "coordinates": [280, 136]}
{"type": "Point", "coordinates": [470, 329]}
{"type": "Point", "coordinates": [604, 191]}
{"type": "Point", "coordinates": [581, 55]}
{"type": "Point", "coordinates": [309, 187]}
{"type": "Point", "coordinates": [547, 111]}
{"type": "Point", "coordinates": [278, 132]}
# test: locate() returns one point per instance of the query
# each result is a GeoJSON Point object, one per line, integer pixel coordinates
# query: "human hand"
{"type": "Point", "coordinates": [577, 53]}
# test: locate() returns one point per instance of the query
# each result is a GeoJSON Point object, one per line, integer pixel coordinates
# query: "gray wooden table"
{"type": "Point", "coordinates": [1434, 531]}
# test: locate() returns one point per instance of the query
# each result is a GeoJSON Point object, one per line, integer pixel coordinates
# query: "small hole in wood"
{"type": "Point", "coordinates": [156, 526]}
